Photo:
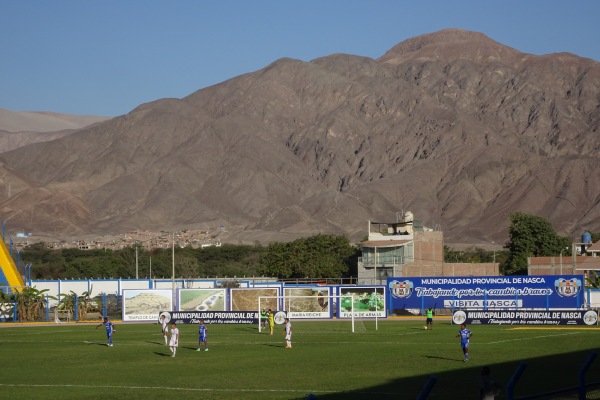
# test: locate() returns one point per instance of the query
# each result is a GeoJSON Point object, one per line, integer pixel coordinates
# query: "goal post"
{"type": "Point", "coordinates": [286, 303]}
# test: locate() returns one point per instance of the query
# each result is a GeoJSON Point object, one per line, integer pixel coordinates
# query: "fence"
{"type": "Point", "coordinates": [582, 391]}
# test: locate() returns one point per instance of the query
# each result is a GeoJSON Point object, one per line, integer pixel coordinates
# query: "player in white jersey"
{"type": "Point", "coordinates": [165, 329]}
{"type": "Point", "coordinates": [174, 339]}
{"type": "Point", "coordinates": [288, 334]}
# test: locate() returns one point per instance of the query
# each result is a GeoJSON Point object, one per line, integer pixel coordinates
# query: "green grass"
{"type": "Point", "coordinates": [394, 362]}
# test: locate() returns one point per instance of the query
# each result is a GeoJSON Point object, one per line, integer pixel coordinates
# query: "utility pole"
{"type": "Point", "coordinates": [136, 260]}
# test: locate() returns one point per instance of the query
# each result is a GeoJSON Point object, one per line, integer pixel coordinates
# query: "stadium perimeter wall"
{"type": "Point", "coordinates": [115, 286]}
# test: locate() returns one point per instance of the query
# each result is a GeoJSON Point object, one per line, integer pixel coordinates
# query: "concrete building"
{"type": "Point", "coordinates": [407, 248]}
{"type": "Point", "coordinates": [584, 257]}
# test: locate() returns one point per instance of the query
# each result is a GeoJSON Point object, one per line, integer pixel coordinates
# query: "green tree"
{"type": "Point", "coordinates": [83, 301]}
{"type": "Point", "coordinates": [531, 236]}
{"type": "Point", "coordinates": [593, 280]}
{"type": "Point", "coordinates": [31, 304]}
{"type": "Point", "coordinates": [319, 256]}
{"type": "Point", "coordinates": [275, 260]}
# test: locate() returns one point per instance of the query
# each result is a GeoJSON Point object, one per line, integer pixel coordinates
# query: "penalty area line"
{"type": "Point", "coordinates": [533, 337]}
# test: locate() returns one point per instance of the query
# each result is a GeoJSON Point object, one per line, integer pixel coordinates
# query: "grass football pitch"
{"type": "Point", "coordinates": [72, 361]}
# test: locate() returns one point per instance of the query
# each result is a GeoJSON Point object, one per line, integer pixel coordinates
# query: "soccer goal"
{"type": "Point", "coordinates": [294, 305]}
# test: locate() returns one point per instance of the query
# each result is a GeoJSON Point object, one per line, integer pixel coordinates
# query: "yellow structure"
{"type": "Point", "coordinates": [9, 269]}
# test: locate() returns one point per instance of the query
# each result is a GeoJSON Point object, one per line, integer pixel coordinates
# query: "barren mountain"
{"type": "Point", "coordinates": [452, 126]}
{"type": "Point", "coordinates": [20, 128]}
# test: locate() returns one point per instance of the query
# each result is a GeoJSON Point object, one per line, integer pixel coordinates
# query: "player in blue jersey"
{"type": "Point", "coordinates": [110, 328]}
{"type": "Point", "coordinates": [202, 336]}
{"type": "Point", "coordinates": [464, 334]}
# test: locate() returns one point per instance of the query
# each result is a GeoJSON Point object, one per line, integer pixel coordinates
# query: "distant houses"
{"type": "Point", "coordinates": [147, 239]}
{"type": "Point", "coordinates": [584, 257]}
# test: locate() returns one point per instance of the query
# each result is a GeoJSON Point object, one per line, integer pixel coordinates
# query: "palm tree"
{"type": "Point", "coordinates": [31, 304]}
{"type": "Point", "coordinates": [84, 305]}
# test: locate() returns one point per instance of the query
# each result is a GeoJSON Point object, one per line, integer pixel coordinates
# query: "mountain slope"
{"type": "Point", "coordinates": [20, 128]}
{"type": "Point", "coordinates": [452, 125]}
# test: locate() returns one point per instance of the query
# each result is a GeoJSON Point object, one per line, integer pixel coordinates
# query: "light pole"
{"type": "Point", "coordinates": [566, 248]}
{"type": "Point", "coordinates": [136, 260]}
{"type": "Point", "coordinates": [494, 252]}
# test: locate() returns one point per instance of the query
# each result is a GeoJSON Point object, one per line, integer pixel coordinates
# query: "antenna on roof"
{"type": "Point", "coordinates": [398, 215]}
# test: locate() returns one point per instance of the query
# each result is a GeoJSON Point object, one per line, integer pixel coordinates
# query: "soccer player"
{"type": "Point", "coordinates": [464, 334]}
{"type": "Point", "coordinates": [202, 336]}
{"type": "Point", "coordinates": [263, 318]}
{"type": "Point", "coordinates": [288, 333]}
{"type": "Point", "coordinates": [174, 339]}
{"type": "Point", "coordinates": [429, 320]}
{"type": "Point", "coordinates": [110, 328]}
{"type": "Point", "coordinates": [271, 317]}
{"type": "Point", "coordinates": [165, 329]}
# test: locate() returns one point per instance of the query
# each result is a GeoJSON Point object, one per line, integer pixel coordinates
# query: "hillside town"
{"type": "Point", "coordinates": [148, 240]}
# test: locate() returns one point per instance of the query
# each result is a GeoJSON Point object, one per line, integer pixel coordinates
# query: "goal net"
{"type": "Point", "coordinates": [304, 307]}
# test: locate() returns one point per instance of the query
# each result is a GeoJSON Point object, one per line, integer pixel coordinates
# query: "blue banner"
{"type": "Point", "coordinates": [526, 317]}
{"type": "Point", "coordinates": [485, 292]}
{"type": "Point", "coordinates": [210, 317]}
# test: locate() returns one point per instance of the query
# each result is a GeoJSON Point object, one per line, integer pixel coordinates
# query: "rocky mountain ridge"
{"type": "Point", "coordinates": [452, 126]}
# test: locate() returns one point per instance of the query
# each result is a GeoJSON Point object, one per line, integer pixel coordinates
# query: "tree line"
{"type": "Point", "coordinates": [319, 256]}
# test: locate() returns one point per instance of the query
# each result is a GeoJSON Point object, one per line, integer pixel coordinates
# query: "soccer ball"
{"type": "Point", "coordinates": [425, 327]}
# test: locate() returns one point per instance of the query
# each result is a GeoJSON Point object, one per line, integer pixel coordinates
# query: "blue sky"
{"type": "Point", "coordinates": [107, 57]}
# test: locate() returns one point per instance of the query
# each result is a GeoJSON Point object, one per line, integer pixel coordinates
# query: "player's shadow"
{"type": "Point", "coordinates": [444, 358]}
{"type": "Point", "coordinates": [162, 354]}
{"type": "Point", "coordinates": [272, 345]}
{"type": "Point", "coordinates": [148, 341]}
{"type": "Point", "coordinates": [98, 344]}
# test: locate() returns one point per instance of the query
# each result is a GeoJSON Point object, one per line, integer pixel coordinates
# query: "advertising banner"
{"type": "Point", "coordinates": [210, 317]}
{"type": "Point", "coordinates": [526, 318]}
{"type": "Point", "coordinates": [201, 300]}
{"type": "Point", "coordinates": [308, 302]}
{"type": "Point", "coordinates": [248, 299]}
{"type": "Point", "coordinates": [6, 311]}
{"type": "Point", "coordinates": [145, 304]}
{"type": "Point", "coordinates": [486, 292]}
{"type": "Point", "coordinates": [369, 302]}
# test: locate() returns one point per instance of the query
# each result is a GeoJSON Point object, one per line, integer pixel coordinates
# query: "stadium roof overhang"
{"type": "Point", "coordinates": [384, 243]}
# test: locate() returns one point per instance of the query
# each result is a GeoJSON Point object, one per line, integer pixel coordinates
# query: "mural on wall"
{"type": "Point", "coordinates": [145, 304]}
{"type": "Point", "coordinates": [202, 300]}
{"type": "Point", "coordinates": [312, 303]}
{"type": "Point", "coordinates": [247, 299]}
{"type": "Point", "coordinates": [369, 302]}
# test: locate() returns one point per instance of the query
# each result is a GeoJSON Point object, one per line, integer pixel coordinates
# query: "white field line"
{"type": "Point", "coordinates": [223, 390]}
{"type": "Point", "coordinates": [214, 342]}
{"type": "Point", "coordinates": [532, 337]}
{"type": "Point", "coordinates": [22, 333]}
